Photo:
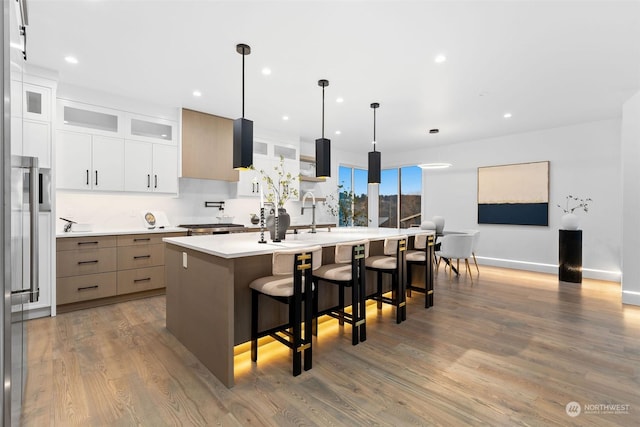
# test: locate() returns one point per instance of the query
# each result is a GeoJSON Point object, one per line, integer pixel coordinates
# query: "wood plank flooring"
{"type": "Point", "coordinates": [512, 349]}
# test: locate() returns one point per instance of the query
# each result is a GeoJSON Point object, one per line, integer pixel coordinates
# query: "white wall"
{"type": "Point", "coordinates": [631, 201]}
{"type": "Point", "coordinates": [584, 161]}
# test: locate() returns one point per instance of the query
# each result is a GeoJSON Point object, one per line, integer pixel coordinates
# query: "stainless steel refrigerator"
{"type": "Point", "coordinates": [19, 218]}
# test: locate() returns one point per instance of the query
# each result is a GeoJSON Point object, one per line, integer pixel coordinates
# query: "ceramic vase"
{"type": "Point", "coordinates": [284, 220]}
{"type": "Point", "coordinates": [569, 221]}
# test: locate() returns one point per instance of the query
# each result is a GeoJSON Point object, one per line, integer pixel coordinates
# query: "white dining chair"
{"type": "Point", "coordinates": [456, 247]}
{"type": "Point", "coordinates": [474, 246]}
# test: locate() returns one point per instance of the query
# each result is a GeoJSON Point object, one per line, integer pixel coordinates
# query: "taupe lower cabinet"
{"type": "Point", "coordinates": [99, 270]}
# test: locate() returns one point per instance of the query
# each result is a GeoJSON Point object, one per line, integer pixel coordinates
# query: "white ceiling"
{"type": "Point", "coordinates": [549, 63]}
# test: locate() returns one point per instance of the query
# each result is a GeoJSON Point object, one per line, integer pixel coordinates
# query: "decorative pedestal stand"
{"type": "Point", "coordinates": [570, 256]}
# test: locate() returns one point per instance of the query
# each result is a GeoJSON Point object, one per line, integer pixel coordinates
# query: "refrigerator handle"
{"type": "Point", "coordinates": [34, 203]}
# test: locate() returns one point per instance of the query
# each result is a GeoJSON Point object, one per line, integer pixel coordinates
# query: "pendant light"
{"type": "Point", "coordinates": [242, 128]}
{"type": "Point", "coordinates": [438, 164]}
{"type": "Point", "coordinates": [323, 145]}
{"type": "Point", "coordinates": [374, 156]}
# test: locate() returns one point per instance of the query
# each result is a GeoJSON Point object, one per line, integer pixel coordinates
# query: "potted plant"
{"type": "Point", "coordinates": [569, 220]}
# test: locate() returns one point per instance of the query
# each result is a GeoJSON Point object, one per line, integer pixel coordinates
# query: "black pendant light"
{"type": "Point", "coordinates": [323, 145]}
{"type": "Point", "coordinates": [374, 156]}
{"type": "Point", "coordinates": [242, 128]}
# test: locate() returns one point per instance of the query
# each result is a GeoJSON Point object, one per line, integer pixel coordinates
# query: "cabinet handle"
{"type": "Point", "coordinates": [148, 181]}
{"type": "Point", "coordinates": [141, 256]}
{"type": "Point", "coordinates": [155, 178]}
{"type": "Point", "coordinates": [86, 288]}
{"type": "Point", "coordinates": [140, 239]}
{"type": "Point", "coordinates": [87, 177]}
{"type": "Point", "coordinates": [88, 243]}
{"type": "Point", "coordinates": [96, 178]}
{"type": "Point", "coordinates": [146, 279]}
{"type": "Point", "coordinates": [95, 261]}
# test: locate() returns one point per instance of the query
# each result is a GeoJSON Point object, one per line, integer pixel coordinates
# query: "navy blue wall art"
{"type": "Point", "coordinates": [514, 194]}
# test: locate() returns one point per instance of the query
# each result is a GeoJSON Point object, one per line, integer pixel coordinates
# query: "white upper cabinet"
{"type": "Point", "coordinates": [79, 117]}
{"type": "Point", "coordinates": [89, 162]}
{"type": "Point", "coordinates": [36, 102]}
{"type": "Point", "coordinates": [106, 149]}
{"type": "Point", "coordinates": [150, 167]}
{"type": "Point", "coordinates": [36, 141]}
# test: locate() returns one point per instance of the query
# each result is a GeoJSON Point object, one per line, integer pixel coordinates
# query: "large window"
{"type": "Point", "coordinates": [410, 196]}
{"type": "Point", "coordinates": [388, 199]}
{"type": "Point", "coordinates": [353, 202]}
{"type": "Point", "coordinates": [406, 210]}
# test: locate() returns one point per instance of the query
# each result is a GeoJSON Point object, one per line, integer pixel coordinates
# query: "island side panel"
{"type": "Point", "coordinates": [200, 307]}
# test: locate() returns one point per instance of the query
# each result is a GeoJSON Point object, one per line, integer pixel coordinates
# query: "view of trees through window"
{"type": "Point", "coordinates": [399, 187]}
{"type": "Point", "coordinates": [407, 182]}
{"type": "Point", "coordinates": [353, 201]}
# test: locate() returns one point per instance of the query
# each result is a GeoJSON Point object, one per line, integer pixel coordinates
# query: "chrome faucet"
{"type": "Point", "coordinates": [313, 209]}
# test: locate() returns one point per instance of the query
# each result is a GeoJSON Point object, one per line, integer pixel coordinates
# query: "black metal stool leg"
{"type": "Point", "coordinates": [254, 325]}
{"type": "Point", "coordinates": [362, 285]}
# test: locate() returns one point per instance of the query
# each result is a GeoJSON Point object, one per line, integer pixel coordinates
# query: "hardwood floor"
{"type": "Point", "coordinates": [513, 349]}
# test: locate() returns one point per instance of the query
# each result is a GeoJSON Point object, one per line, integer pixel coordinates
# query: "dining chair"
{"type": "Point", "coordinates": [348, 271]}
{"type": "Point", "coordinates": [290, 283]}
{"type": "Point", "coordinates": [474, 246]}
{"type": "Point", "coordinates": [456, 247]}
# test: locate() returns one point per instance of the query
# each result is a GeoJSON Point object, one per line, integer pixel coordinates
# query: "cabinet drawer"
{"type": "Point", "coordinates": [140, 239]}
{"type": "Point", "coordinates": [83, 288]}
{"type": "Point", "coordinates": [85, 261]}
{"type": "Point", "coordinates": [141, 279]}
{"type": "Point", "coordinates": [96, 242]}
{"type": "Point", "coordinates": [140, 256]}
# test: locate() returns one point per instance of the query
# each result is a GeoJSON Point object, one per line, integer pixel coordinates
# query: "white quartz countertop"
{"type": "Point", "coordinates": [113, 232]}
{"type": "Point", "coordinates": [237, 245]}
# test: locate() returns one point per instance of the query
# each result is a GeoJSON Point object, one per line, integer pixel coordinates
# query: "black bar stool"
{"type": "Point", "coordinates": [290, 283]}
{"type": "Point", "coordinates": [393, 262]}
{"type": "Point", "coordinates": [422, 254]}
{"type": "Point", "coordinates": [347, 271]}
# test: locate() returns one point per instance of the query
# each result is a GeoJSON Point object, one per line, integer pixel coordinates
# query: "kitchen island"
{"type": "Point", "coordinates": [207, 280]}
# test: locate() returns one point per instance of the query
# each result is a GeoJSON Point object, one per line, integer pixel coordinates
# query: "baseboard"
{"type": "Point", "coordinates": [611, 276]}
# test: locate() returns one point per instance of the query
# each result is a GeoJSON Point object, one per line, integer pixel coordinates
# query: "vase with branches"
{"type": "Point", "coordinates": [573, 203]}
{"type": "Point", "coordinates": [569, 220]}
{"type": "Point", "coordinates": [345, 208]}
{"type": "Point", "coordinates": [280, 184]}
{"type": "Point", "coordinates": [280, 189]}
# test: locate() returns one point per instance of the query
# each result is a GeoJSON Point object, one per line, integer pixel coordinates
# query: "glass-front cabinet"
{"type": "Point", "coordinates": [79, 117]}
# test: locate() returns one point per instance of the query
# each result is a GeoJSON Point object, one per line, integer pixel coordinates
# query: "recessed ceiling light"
{"type": "Point", "coordinates": [71, 59]}
{"type": "Point", "coordinates": [197, 93]}
{"type": "Point", "coordinates": [339, 99]}
{"type": "Point", "coordinates": [266, 71]}
{"type": "Point", "coordinates": [338, 132]}
{"type": "Point", "coordinates": [164, 135]}
{"type": "Point", "coordinates": [507, 115]}
{"type": "Point", "coordinates": [285, 118]}
{"type": "Point", "coordinates": [439, 59]}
